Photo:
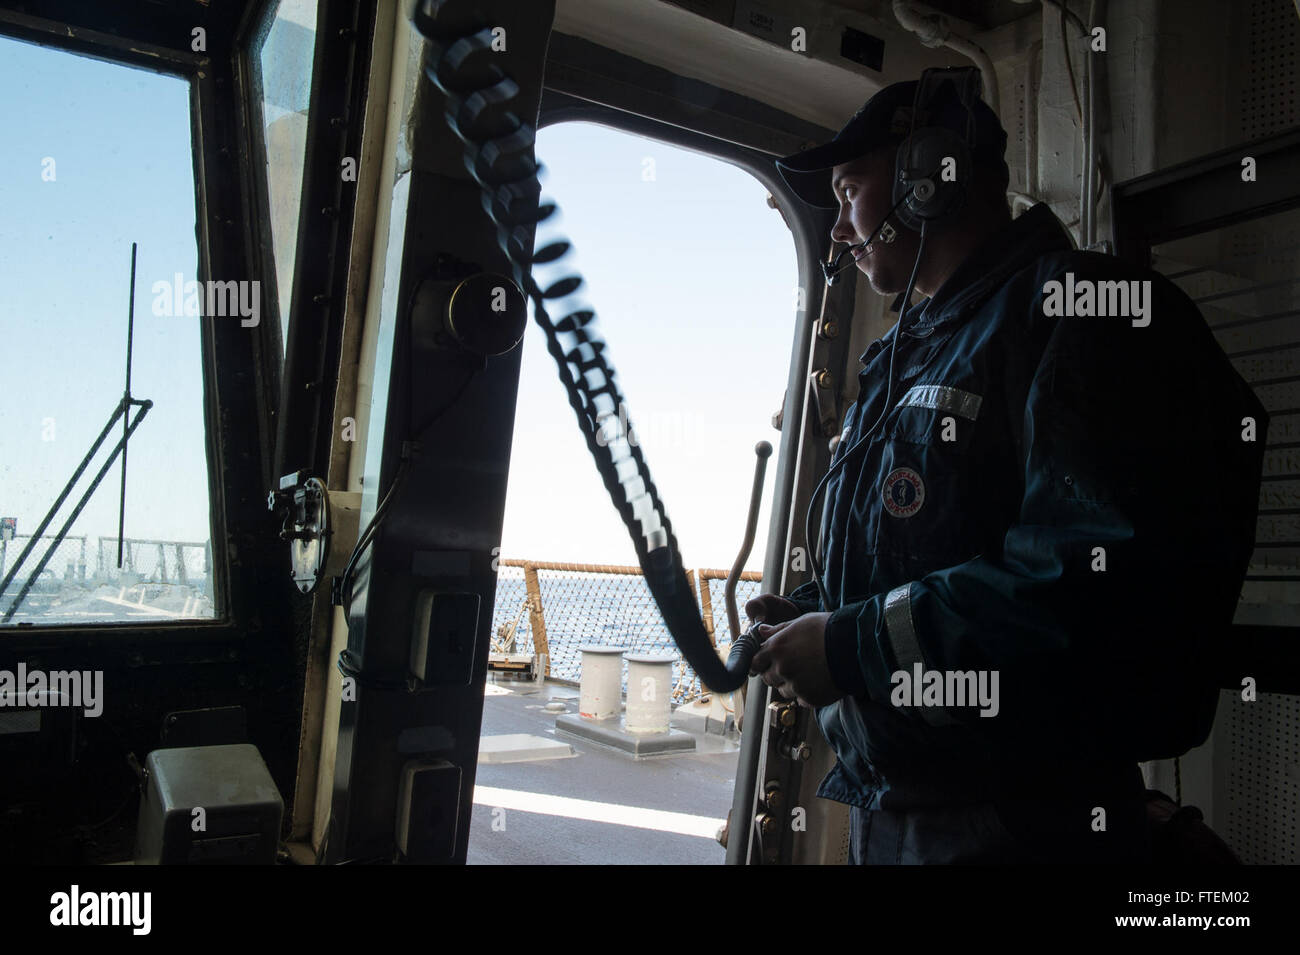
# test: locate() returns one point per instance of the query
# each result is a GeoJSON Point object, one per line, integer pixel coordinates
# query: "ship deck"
{"type": "Point", "coordinates": [535, 803]}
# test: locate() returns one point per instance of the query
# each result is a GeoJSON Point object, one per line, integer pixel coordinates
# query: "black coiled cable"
{"type": "Point", "coordinates": [499, 156]}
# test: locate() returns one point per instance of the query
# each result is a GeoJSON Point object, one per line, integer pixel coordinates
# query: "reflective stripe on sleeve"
{"type": "Point", "coordinates": [901, 631]}
{"type": "Point", "coordinates": [898, 624]}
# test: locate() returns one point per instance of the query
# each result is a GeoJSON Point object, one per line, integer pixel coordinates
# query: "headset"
{"type": "Point", "coordinates": [921, 188]}
{"type": "Point", "coordinates": [923, 194]}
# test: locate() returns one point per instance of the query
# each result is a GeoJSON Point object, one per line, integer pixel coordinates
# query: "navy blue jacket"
{"type": "Point", "coordinates": [1068, 501]}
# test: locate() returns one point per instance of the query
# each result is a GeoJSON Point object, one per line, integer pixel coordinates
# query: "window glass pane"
{"type": "Point", "coordinates": [97, 156]}
{"type": "Point", "coordinates": [281, 61]}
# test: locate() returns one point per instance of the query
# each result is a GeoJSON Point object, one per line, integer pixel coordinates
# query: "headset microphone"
{"type": "Point", "coordinates": [831, 270]}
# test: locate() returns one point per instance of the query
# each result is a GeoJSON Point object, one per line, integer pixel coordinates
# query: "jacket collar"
{"type": "Point", "coordinates": [1023, 240]}
{"type": "Point", "coordinates": [1035, 233]}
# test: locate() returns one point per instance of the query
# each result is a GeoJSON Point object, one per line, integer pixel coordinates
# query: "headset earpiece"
{"type": "Point", "coordinates": [932, 169]}
{"type": "Point", "coordinates": [934, 165]}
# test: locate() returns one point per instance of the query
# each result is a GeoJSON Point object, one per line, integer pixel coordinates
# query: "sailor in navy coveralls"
{"type": "Point", "coordinates": [1058, 502]}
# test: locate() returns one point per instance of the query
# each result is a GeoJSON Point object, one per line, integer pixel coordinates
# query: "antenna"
{"type": "Point", "coordinates": [126, 399]}
{"type": "Point", "coordinates": [123, 411]}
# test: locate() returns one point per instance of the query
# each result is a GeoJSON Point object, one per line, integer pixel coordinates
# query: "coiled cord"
{"type": "Point", "coordinates": [499, 157]}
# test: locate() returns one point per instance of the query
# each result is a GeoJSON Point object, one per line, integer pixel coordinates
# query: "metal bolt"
{"type": "Point", "coordinates": [823, 378]}
{"type": "Point", "coordinates": [781, 714]}
{"type": "Point", "coordinates": [796, 751]}
{"type": "Point", "coordinates": [829, 328]}
{"type": "Point", "coordinates": [773, 798]}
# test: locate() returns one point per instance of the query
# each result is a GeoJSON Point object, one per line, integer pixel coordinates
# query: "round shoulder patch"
{"type": "Point", "coordinates": [904, 492]}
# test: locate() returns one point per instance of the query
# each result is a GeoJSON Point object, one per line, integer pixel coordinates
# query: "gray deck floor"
{"type": "Point", "coordinates": [533, 830]}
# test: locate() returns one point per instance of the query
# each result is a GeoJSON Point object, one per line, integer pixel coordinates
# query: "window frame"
{"type": "Point", "coordinates": [259, 199]}
{"type": "Point", "coordinates": [229, 354]}
{"type": "Point", "coordinates": [311, 332]}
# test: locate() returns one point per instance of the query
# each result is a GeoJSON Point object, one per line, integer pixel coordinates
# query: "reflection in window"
{"type": "Point", "coordinates": [99, 156]}
{"type": "Point", "coordinates": [281, 60]}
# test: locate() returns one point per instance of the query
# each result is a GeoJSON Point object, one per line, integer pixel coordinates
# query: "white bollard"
{"type": "Point", "coordinates": [649, 692]}
{"type": "Point", "coordinates": [600, 686]}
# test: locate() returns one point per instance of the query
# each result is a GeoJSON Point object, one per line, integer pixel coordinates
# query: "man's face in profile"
{"type": "Point", "coordinates": [864, 188]}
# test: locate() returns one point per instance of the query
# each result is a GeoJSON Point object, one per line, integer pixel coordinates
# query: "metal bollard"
{"type": "Point", "coordinates": [600, 686]}
{"type": "Point", "coordinates": [649, 692]}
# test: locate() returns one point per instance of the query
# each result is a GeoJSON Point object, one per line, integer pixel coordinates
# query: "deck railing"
{"type": "Point", "coordinates": [77, 559]}
{"type": "Point", "coordinates": [551, 608]}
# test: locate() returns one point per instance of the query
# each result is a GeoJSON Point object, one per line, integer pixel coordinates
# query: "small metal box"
{"type": "Point", "coordinates": [208, 805]}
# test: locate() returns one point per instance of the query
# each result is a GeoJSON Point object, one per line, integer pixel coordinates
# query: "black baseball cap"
{"type": "Point", "coordinates": [886, 120]}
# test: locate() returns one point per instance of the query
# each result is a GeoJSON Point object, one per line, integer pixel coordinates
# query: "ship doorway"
{"type": "Point", "coordinates": [693, 276]}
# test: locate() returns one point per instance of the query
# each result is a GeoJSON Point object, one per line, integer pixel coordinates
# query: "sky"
{"type": "Point", "coordinates": [96, 156]}
{"type": "Point", "coordinates": [691, 274]}
{"type": "Point", "coordinates": [692, 277]}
